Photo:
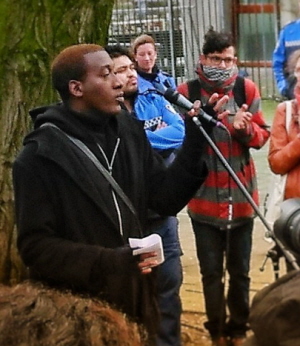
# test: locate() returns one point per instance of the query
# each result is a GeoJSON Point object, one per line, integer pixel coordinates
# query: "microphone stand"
{"type": "Point", "coordinates": [274, 253]}
{"type": "Point", "coordinates": [290, 257]}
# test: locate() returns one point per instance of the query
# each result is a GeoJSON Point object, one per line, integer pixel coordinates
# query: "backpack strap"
{"type": "Point", "coordinates": [194, 89]}
{"type": "Point", "coordinates": [288, 114]}
{"type": "Point", "coordinates": [239, 92]}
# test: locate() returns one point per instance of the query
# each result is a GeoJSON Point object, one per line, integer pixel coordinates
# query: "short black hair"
{"type": "Point", "coordinates": [115, 51]}
{"type": "Point", "coordinates": [215, 41]}
{"type": "Point", "coordinates": [70, 64]}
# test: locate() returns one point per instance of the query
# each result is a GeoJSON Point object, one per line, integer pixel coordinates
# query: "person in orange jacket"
{"type": "Point", "coordinates": [284, 148]}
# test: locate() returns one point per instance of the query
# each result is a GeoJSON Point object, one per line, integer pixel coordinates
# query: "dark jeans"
{"type": "Point", "coordinates": [169, 283]}
{"type": "Point", "coordinates": [215, 248]}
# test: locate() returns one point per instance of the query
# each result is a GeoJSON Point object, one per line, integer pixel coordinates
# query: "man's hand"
{"type": "Point", "coordinates": [242, 118]}
{"type": "Point", "coordinates": [215, 104]}
{"type": "Point", "coordinates": [219, 105]}
{"type": "Point", "coordinates": [147, 262]}
{"type": "Point", "coordinates": [195, 110]}
{"type": "Point", "coordinates": [161, 125]}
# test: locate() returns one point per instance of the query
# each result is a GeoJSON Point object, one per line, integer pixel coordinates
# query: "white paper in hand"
{"type": "Point", "coordinates": [152, 243]}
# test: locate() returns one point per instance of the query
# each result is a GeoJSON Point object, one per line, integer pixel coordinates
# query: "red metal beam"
{"type": "Point", "coordinates": [256, 8]}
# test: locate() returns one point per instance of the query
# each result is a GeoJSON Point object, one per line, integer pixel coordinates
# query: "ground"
{"type": "Point", "coordinates": [193, 333]}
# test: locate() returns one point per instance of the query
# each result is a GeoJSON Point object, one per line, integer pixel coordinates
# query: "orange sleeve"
{"type": "Point", "coordinates": [284, 148]}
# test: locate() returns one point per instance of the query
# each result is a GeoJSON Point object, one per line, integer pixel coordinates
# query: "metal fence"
{"type": "Point", "coordinates": [178, 27]}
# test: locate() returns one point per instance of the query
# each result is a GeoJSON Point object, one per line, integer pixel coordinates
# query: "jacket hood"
{"type": "Point", "coordinates": [73, 123]}
{"type": "Point", "coordinates": [38, 110]}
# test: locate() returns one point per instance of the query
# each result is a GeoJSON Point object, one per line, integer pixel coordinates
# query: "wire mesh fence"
{"type": "Point", "coordinates": [178, 27]}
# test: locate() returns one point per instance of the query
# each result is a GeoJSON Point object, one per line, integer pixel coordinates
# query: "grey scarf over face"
{"type": "Point", "coordinates": [215, 74]}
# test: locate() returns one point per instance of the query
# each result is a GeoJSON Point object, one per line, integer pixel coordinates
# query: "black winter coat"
{"type": "Point", "coordinates": [72, 229]}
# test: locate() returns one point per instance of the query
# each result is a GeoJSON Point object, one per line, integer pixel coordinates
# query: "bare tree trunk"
{"type": "Point", "coordinates": [32, 32]}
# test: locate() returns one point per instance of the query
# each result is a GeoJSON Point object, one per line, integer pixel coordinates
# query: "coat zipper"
{"type": "Point", "coordinates": [110, 168]}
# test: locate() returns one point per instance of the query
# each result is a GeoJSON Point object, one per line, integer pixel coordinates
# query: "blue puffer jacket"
{"type": "Point", "coordinates": [288, 42]}
{"type": "Point", "coordinates": [154, 109]}
{"type": "Point", "coordinates": [157, 79]}
{"type": "Point", "coordinates": [165, 79]}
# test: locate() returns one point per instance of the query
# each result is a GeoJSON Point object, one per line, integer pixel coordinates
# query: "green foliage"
{"type": "Point", "coordinates": [34, 31]}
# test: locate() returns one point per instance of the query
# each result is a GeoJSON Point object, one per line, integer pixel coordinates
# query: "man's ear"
{"type": "Point", "coordinates": [75, 88]}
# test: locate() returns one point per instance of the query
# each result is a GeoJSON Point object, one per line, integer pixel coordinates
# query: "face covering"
{"type": "Point", "coordinates": [215, 74]}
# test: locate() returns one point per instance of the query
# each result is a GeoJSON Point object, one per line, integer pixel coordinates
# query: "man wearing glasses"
{"type": "Point", "coordinates": [221, 216]}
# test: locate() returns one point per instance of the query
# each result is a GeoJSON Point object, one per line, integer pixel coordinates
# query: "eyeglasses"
{"type": "Point", "coordinates": [217, 60]}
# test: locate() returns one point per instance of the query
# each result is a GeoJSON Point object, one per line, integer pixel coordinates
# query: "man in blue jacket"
{"type": "Point", "coordinates": [288, 42]}
{"type": "Point", "coordinates": [164, 128]}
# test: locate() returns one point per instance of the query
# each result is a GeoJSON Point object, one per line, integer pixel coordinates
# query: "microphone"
{"type": "Point", "coordinates": [179, 100]}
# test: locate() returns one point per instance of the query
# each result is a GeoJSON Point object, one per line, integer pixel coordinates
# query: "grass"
{"type": "Point", "coordinates": [269, 107]}
{"type": "Point", "coordinates": [260, 156]}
